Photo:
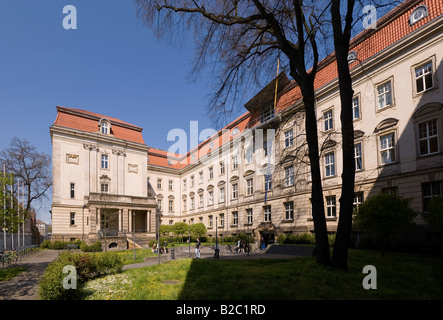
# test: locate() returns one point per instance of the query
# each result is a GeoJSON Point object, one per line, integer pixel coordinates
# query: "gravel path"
{"type": "Point", "coordinates": [24, 286]}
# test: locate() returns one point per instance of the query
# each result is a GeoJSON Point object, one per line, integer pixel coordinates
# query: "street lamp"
{"type": "Point", "coordinates": [189, 237]}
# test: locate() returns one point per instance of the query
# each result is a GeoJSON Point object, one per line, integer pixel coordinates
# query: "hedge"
{"type": "Point", "coordinates": [88, 266]}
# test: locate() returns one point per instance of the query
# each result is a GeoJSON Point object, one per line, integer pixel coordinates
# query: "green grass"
{"type": "Point", "coordinates": [399, 276]}
{"type": "Point", "coordinates": [9, 273]}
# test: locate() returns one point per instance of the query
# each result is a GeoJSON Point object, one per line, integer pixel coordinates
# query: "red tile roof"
{"type": "Point", "coordinates": [89, 121]}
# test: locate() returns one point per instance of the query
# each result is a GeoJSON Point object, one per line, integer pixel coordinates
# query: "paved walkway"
{"type": "Point", "coordinates": [272, 252]}
{"type": "Point", "coordinates": [24, 286]}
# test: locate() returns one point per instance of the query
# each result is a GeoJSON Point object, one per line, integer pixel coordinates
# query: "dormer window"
{"type": "Point", "coordinates": [419, 13]}
{"type": "Point", "coordinates": [105, 126]}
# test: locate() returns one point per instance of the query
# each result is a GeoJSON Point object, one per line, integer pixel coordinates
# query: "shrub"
{"type": "Point", "coordinates": [96, 247]}
{"type": "Point", "coordinates": [45, 244]}
{"type": "Point", "coordinates": [88, 266]}
{"type": "Point", "coordinates": [434, 214]}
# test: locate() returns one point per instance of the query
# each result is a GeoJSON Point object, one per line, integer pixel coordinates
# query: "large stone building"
{"type": "Point", "coordinates": [252, 177]}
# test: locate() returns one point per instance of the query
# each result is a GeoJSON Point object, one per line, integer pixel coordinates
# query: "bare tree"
{"type": "Point", "coordinates": [32, 167]}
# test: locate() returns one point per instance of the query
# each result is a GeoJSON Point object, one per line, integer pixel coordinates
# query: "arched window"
{"type": "Point", "coordinates": [105, 126]}
{"type": "Point", "coordinates": [419, 13]}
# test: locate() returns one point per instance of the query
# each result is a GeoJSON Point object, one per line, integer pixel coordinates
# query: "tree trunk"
{"type": "Point", "coordinates": [318, 211]}
{"type": "Point", "coordinates": [341, 43]}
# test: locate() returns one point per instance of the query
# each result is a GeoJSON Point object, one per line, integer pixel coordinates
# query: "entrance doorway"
{"type": "Point", "coordinates": [267, 238]}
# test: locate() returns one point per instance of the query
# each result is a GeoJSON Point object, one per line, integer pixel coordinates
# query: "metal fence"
{"type": "Point", "coordinates": [13, 241]}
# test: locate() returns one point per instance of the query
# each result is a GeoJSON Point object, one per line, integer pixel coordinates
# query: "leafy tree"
{"type": "Point", "coordinates": [180, 228]}
{"type": "Point", "coordinates": [198, 229]}
{"type": "Point", "coordinates": [384, 214]}
{"type": "Point", "coordinates": [165, 230]}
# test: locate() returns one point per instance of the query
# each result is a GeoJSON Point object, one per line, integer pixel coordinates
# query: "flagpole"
{"type": "Point", "coordinates": [4, 207]}
{"type": "Point", "coordinates": [23, 205]}
{"type": "Point", "coordinates": [18, 212]}
{"type": "Point", "coordinates": [12, 207]}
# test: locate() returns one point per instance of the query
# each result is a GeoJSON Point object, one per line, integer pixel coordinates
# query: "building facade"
{"type": "Point", "coordinates": [253, 176]}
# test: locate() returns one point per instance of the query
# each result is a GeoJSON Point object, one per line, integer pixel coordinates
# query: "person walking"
{"type": "Point", "coordinates": [198, 248]}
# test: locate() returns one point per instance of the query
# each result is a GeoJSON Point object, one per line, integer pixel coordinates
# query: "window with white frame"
{"type": "Point", "coordinates": [211, 221]}
{"type": "Point", "coordinates": [249, 155]}
{"type": "Point", "coordinates": [104, 188]}
{"type": "Point", "coordinates": [358, 200]}
{"type": "Point", "coordinates": [423, 77]}
{"type": "Point", "coordinates": [356, 108]}
{"type": "Point", "coordinates": [192, 181]}
{"type": "Point", "coordinates": [184, 184]}
{"type": "Point", "coordinates": [200, 200]}
{"type": "Point", "coordinates": [419, 13]}
{"type": "Point", "coordinates": [222, 194]}
{"type": "Point", "coordinates": [289, 210]}
{"type": "Point", "coordinates": [384, 95]}
{"type": "Point", "coordinates": [289, 176]}
{"type": "Point", "coordinates": [171, 205]}
{"type": "Point", "coordinates": [289, 138]}
{"type": "Point", "coordinates": [330, 164]}
{"type": "Point", "coordinates": [249, 216]}
{"type": "Point", "coordinates": [222, 167]}
{"type": "Point", "coordinates": [268, 182]}
{"type": "Point", "coordinates": [200, 177]}
{"type": "Point", "coordinates": [428, 137]}
{"type": "Point", "coordinates": [222, 219]}
{"type": "Point", "coordinates": [184, 204]}
{"type": "Point", "coordinates": [234, 162]}
{"type": "Point", "coordinates": [234, 218]}
{"type": "Point", "coordinates": [358, 157]}
{"type": "Point", "coordinates": [159, 183]}
{"type": "Point", "coordinates": [210, 198]}
{"type": "Point", "coordinates": [170, 185]}
{"type": "Point", "coordinates": [72, 190]}
{"type": "Point", "coordinates": [330, 206]}
{"type": "Point", "coordinates": [105, 127]}
{"type": "Point", "coordinates": [328, 120]}
{"type": "Point", "coordinates": [211, 172]}
{"type": "Point", "coordinates": [249, 186]}
{"type": "Point", "coordinates": [159, 204]}
{"type": "Point", "coordinates": [105, 161]}
{"type": "Point", "coordinates": [234, 190]}
{"type": "Point", "coordinates": [72, 219]}
{"type": "Point", "coordinates": [267, 213]}
{"type": "Point", "coordinates": [387, 148]}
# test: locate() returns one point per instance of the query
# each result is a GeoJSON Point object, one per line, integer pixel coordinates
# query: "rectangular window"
{"type": "Point", "coordinates": [330, 206]}
{"type": "Point", "coordinates": [211, 173]}
{"type": "Point", "coordinates": [387, 148]}
{"type": "Point", "coordinates": [249, 216]}
{"type": "Point", "coordinates": [355, 108]}
{"type": "Point", "coordinates": [72, 190]}
{"type": "Point", "coordinates": [234, 191]}
{"type": "Point", "coordinates": [170, 185]}
{"type": "Point", "coordinates": [192, 203]}
{"type": "Point", "coordinates": [234, 218]}
{"type": "Point", "coordinates": [184, 184]}
{"type": "Point", "coordinates": [249, 186]}
{"type": "Point", "coordinates": [200, 201]}
{"type": "Point", "coordinates": [330, 164]}
{"type": "Point", "coordinates": [390, 190]}
{"type": "Point", "coordinates": [159, 204]}
{"type": "Point", "coordinates": [384, 95]}
{"type": "Point", "coordinates": [234, 162]}
{"type": "Point", "coordinates": [289, 210]}
{"type": "Point", "coordinates": [184, 204]}
{"type": "Point", "coordinates": [159, 183]}
{"type": "Point", "coordinates": [72, 219]}
{"type": "Point", "coordinates": [289, 138]}
{"type": "Point", "coordinates": [222, 194]}
{"type": "Point", "coordinates": [222, 219]}
{"type": "Point", "coordinates": [428, 137]}
{"type": "Point", "coordinates": [328, 121]}
{"type": "Point", "coordinates": [289, 176]}
{"type": "Point", "coordinates": [210, 198]}
{"type": "Point", "coordinates": [105, 161]}
{"type": "Point", "coordinates": [249, 155]}
{"type": "Point", "coordinates": [192, 181]}
{"type": "Point", "coordinates": [358, 157]}
{"type": "Point", "coordinates": [171, 206]}
{"type": "Point", "coordinates": [200, 176]}
{"type": "Point", "coordinates": [423, 77]}
{"type": "Point", "coordinates": [211, 221]}
{"type": "Point", "coordinates": [267, 213]}
{"type": "Point", "coordinates": [429, 191]}
{"type": "Point", "coordinates": [358, 200]}
{"type": "Point", "coordinates": [222, 167]}
{"type": "Point", "coordinates": [268, 182]}
{"type": "Point", "coordinates": [105, 188]}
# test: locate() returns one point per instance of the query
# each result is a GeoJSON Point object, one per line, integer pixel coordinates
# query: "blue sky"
{"type": "Point", "coordinates": [112, 64]}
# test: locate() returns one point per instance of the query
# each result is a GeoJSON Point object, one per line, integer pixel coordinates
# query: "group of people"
{"type": "Point", "coordinates": [242, 246]}
{"type": "Point", "coordinates": [163, 249]}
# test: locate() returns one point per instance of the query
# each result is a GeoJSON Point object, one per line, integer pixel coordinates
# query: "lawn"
{"type": "Point", "coordinates": [9, 273]}
{"type": "Point", "coordinates": [399, 276]}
